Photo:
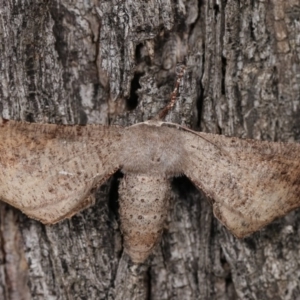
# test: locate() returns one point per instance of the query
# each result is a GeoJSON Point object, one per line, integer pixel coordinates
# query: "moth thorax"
{"type": "Point", "coordinates": [144, 204]}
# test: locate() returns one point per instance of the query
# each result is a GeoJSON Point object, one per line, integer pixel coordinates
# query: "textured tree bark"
{"type": "Point", "coordinates": [113, 62]}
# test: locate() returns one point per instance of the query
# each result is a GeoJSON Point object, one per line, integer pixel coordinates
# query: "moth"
{"type": "Point", "coordinates": [50, 171]}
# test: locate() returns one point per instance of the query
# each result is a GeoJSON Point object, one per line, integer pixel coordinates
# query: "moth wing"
{"type": "Point", "coordinates": [49, 171]}
{"type": "Point", "coordinates": [250, 182]}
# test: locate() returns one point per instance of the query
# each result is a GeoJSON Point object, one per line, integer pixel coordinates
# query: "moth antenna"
{"type": "Point", "coordinates": [161, 115]}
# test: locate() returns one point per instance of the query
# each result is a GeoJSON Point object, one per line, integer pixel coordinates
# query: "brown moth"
{"type": "Point", "coordinates": [50, 172]}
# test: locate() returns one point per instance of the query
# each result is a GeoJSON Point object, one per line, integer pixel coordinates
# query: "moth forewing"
{"type": "Point", "coordinates": [249, 182]}
{"type": "Point", "coordinates": [48, 170]}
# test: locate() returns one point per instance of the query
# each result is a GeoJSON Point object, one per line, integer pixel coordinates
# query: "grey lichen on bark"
{"type": "Point", "coordinates": [113, 62]}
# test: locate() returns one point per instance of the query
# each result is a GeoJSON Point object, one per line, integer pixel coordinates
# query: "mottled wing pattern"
{"type": "Point", "coordinates": [48, 171]}
{"type": "Point", "coordinates": [249, 182]}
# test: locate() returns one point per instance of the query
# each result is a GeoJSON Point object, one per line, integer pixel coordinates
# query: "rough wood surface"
{"type": "Point", "coordinates": [86, 62]}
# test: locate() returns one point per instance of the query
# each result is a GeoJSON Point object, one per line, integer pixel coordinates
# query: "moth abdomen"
{"type": "Point", "coordinates": [144, 205]}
